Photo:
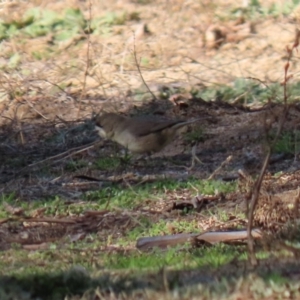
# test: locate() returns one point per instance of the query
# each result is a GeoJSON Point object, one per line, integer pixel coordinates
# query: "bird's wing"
{"type": "Point", "coordinates": [147, 127]}
{"type": "Point", "coordinates": [156, 126]}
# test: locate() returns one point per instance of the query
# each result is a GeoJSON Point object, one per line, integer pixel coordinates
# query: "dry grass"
{"type": "Point", "coordinates": [47, 104]}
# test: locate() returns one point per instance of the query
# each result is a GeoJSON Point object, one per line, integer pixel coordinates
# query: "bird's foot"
{"type": "Point", "coordinates": [195, 158]}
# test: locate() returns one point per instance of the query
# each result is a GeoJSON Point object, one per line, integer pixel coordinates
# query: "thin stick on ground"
{"type": "Point", "coordinates": [61, 156]}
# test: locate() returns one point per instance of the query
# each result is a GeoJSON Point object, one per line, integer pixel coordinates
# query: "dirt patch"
{"type": "Point", "coordinates": [174, 52]}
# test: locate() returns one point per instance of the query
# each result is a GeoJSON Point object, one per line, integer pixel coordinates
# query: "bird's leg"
{"type": "Point", "coordinates": [126, 157]}
{"type": "Point", "coordinates": [143, 157]}
{"type": "Point", "coordinates": [194, 158]}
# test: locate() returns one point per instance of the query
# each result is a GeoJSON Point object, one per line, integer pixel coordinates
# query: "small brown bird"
{"type": "Point", "coordinates": [139, 134]}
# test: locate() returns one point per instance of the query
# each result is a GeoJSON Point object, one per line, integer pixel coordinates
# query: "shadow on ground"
{"type": "Point", "coordinates": [138, 284]}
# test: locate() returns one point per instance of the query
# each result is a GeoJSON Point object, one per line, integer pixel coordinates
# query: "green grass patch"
{"type": "Point", "coordinates": [108, 163]}
{"type": "Point", "coordinates": [38, 22]}
{"type": "Point", "coordinates": [195, 136]}
{"type": "Point", "coordinates": [17, 261]}
{"type": "Point", "coordinates": [116, 196]}
{"type": "Point", "coordinates": [176, 258]}
{"type": "Point", "coordinates": [74, 165]}
{"type": "Point", "coordinates": [76, 284]}
{"type": "Point", "coordinates": [288, 143]}
{"type": "Point", "coordinates": [247, 91]}
{"type": "Point", "coordinates": [53, 274]}
{"type": "Point", "coordinates": [243, 91]}
{"type": "Point", "coordinates": [257, 10]}
{"type": "Point", "coordinates": [148, 228]}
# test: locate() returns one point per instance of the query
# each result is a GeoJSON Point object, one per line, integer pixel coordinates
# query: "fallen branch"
{"type": "Point", "coordinates": [147, 243]}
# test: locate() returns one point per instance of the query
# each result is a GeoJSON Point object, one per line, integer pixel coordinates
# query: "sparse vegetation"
{"type": "Point", "coordinates": [287, 144]}
{"type": "Point", "coordinates": [108, 163]}
{"type": "Point", "coordinates": [71, 212]}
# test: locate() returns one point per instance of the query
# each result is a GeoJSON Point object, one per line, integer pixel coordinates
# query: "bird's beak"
{"type": "Point", "coordinates": [101, 132]}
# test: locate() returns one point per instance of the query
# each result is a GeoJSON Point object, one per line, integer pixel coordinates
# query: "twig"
{"type": "Point", "coordinates": [237, 99]}
{"type": "Point", "coordinates": [54, 84]}
{"type": "Point", "coordinates": [38, 112]}
{"type": "Point", "coordinates": [88, 58]}
{"type": "Point", "coordinates": [79, 151]}
{"type": "Point", "coordinates": [81, 148]}
{"type": "Point", "coordinates": [139, 69]}
{"type": "Point", "coordinates": [225, 162]}
{"type": "Point", "coordinates": [49, 220]}
{"type": "Point", "coordinates": [257, 185]}
{"type": "Point", "coordinates": [253, 203]}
